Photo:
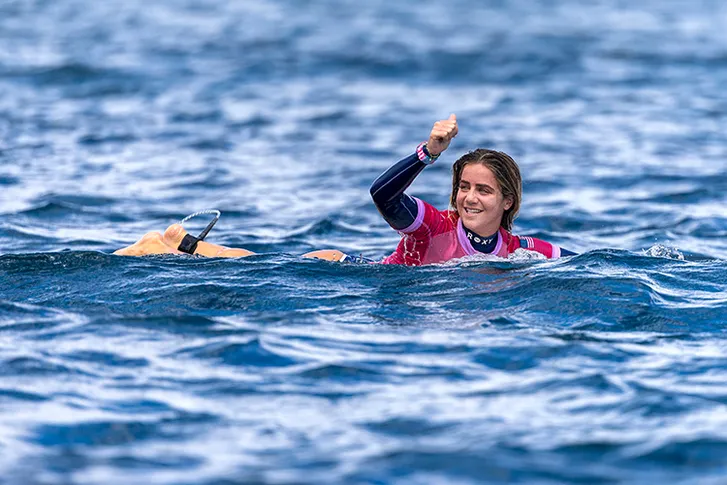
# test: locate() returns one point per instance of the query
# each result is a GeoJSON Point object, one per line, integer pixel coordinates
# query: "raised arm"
{"type": "Point", "coordinates": [397, 208]}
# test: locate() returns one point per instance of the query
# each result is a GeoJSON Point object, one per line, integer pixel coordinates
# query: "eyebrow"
{"type": "Point", "coordinates": [478, 186]}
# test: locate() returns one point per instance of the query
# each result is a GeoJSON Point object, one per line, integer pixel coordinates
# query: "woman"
{"type": "Point", "coordinates": [486, 195]}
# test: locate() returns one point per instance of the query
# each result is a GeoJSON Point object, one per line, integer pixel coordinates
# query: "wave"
{"type": "Point", "coordinates": [658, 291]}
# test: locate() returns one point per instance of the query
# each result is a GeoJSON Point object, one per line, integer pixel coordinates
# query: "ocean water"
{"type": "Point", "coordinates": [120, 118]}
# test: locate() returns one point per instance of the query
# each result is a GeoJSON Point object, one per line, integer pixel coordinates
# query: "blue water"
{"type": "Point", "coordinates": [119, 118]}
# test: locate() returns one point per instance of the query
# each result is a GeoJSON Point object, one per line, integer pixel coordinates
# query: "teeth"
{"type": "Point", "coordinates": [472, 211]}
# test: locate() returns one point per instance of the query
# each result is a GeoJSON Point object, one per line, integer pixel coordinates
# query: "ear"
{"type": "Point", "coordinates": [508, 203]}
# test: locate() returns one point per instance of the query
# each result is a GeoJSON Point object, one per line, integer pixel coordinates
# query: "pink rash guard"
{"type": "Point", "coordinates": [437, 236]}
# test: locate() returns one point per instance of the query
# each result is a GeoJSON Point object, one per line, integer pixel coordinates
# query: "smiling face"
{"type": "Point", "coordinates": [480, 202]}
{"type": "Point", "coordinates": [486, 190]}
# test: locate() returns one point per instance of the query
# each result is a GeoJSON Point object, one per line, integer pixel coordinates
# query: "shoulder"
{"type": "Point", "coordinates": [446, 219]}
{"type": "Point", "coordinates": [509, 240]}
{"type": "Point", "coordinates": [533, 244]}
{"type": "Point", "coordinates": [429, 210]}
{"type": "Point", "coordinates": [430, 220]}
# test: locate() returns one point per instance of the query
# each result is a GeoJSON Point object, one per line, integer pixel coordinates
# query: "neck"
{"type": "Point", "coordinates": [483, 244]}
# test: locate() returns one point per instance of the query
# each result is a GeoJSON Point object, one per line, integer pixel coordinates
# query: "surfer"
{"type": "Point", "coordinates": [485, 199]}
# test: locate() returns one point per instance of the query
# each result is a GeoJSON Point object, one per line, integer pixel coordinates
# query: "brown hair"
{"type": "Point", "coordinates": [506, 173]}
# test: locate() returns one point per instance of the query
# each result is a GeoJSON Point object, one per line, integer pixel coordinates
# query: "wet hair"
{"type": "Point", "coordinates": [506, 172]}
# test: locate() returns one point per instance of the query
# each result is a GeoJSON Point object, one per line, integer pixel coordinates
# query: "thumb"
{"type": "Point", "coordinates": [453, 117]}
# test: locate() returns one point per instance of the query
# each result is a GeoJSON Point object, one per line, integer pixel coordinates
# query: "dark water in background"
{"type": "Point", "coordinates": [118, 118]}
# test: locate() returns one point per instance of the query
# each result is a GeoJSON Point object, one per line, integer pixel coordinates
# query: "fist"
{"type": "Point", "coordinates": [442, 133]}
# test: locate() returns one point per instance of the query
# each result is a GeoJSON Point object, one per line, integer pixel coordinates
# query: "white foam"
{"type": "Point", "coordinates": [661, 251]}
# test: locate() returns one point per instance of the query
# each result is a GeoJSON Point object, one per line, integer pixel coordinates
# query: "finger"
{"type": "Point", "coordinates": [449, 133]}
{"type": "Point", "coordinates": [439, 134]}
{"type": "Point", "coordinates": [453, 117]}
{"type": "Point", "coordinates": [445, 126]}
{"type": "Point", "coordinates": [441, 124]}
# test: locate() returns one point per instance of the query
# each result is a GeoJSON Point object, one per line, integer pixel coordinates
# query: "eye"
{"type": "Point", "coordinates": [463, 186]}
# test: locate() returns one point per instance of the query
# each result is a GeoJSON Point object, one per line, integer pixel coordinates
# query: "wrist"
{"type": "Point", "coordinates": [425, 155]}
{"type": "Point", "coordinates": [431, 153]}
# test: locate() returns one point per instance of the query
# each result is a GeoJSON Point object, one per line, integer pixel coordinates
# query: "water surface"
{"type": "Point", "coordinates": [117, 119]}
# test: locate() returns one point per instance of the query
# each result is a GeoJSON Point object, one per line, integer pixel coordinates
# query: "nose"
{"type": "Point", "coordinates": [470, 197]}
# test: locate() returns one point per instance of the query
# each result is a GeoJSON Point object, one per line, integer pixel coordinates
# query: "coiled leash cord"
{"type": "Point", "coordinates": [189, 243]}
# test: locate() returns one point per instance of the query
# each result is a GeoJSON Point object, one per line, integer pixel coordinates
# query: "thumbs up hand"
{"type": "Point", "coordinates": [441, 135]}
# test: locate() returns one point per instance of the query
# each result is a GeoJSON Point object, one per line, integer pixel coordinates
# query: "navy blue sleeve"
{"type": "Point", "coordinates": [398, 209]}
{"type": "Point", "coordinates": [565, 252]}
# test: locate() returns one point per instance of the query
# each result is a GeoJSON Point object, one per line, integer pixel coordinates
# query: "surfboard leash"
{"type": "Point", "coordinates": [189, 242]}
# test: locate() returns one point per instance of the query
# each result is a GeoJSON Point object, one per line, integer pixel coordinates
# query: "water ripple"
{"type": "Point", "coordinates": [120, 119]}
